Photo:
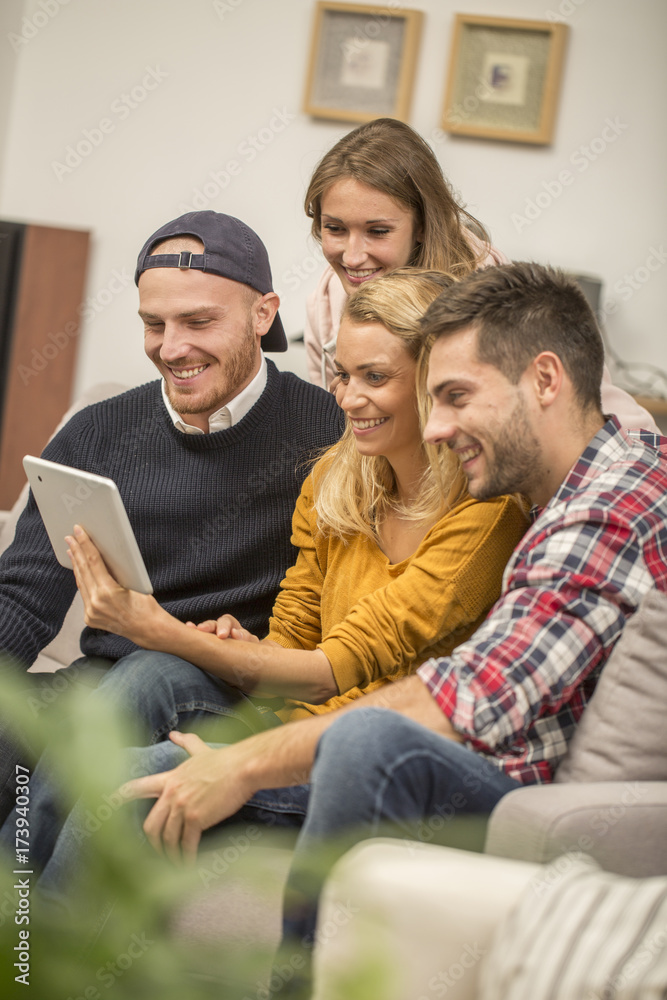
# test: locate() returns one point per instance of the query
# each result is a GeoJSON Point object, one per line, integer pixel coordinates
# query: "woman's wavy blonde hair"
{"type": "Point", "coordinates": [353, 492]}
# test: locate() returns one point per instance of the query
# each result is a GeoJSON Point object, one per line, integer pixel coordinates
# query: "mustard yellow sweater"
{"type": "Point", "coordinates": [377, 621]}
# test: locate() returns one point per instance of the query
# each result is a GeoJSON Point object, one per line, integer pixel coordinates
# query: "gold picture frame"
{"type": "Point", "coordinates": [362, 62]}
{"type": "Point", "coordinates": [504, 78]}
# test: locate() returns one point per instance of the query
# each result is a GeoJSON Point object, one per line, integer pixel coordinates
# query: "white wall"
{"type": "Point", "coordinates": [225, 72]}
{"type": "Point", "coordinates": [11, 12]}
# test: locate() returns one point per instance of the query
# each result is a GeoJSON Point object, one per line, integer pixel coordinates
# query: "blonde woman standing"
{"type": "Point", "coordinates": [378, 200]}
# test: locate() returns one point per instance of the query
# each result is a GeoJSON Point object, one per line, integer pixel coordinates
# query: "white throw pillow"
{"type": "Point", "coordinates": [580, 933]}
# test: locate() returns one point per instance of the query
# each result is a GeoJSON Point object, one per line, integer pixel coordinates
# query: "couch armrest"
{"type": "Point", "coordinates": [621, 824]}
{"type": "Point", "coordinates": [412, 919]}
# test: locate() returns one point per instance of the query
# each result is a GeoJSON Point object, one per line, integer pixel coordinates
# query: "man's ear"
{"type": "Point", "coordinates": [265, 310]}
{"type": "Point", "coordinates": [546, 376]}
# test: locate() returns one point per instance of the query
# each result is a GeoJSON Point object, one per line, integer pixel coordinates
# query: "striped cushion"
{"type": "Point", "coordinates": [580, 933]}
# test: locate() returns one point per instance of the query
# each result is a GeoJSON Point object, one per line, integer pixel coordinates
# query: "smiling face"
{"type": "Point", "coordinates": [376, 389]}
{"type": "Point", "coordinates": [365, 232]}
{"type": "Point", "coordinates": [483, 418]}
{"type": "Point", "coordinates": [202, 332]}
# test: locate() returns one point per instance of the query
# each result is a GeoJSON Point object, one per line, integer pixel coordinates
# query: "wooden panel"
{"type": "Point", "coordinates": [44, 347]}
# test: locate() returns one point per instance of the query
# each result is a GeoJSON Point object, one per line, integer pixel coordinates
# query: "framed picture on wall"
{"type": "Point", "coordinates": [504, 78]}
{"type": "Point", "coordinates": [362, 62]}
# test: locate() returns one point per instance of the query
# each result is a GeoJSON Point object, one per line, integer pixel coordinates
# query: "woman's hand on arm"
{"type": "Point", "coordinates": [228, 627]}
{"type": "Point", "coordinates": [225, 627]}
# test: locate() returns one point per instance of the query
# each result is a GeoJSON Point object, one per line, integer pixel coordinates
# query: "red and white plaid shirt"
{"type": "Point", "coordinates": [517, 688]}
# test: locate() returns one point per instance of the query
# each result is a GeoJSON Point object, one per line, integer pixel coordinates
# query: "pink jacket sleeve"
{"type": "Point", "coordinates": [324, 307]}
{"type": "Point", "coordinates": [488, 255]}
{"type": "Point", "coordinates": [630, 414]}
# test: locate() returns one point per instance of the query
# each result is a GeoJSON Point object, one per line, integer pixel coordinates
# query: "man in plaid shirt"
{"type": "Point", "coordinates": [516, 690]}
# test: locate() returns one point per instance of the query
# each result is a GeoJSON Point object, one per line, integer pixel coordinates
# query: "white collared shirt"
{"type": "Point", "coordinates": [227, 415]}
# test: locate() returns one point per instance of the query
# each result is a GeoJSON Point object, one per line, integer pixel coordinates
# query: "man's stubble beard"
{"type": "Point", "coordinates": [517, 459]}
{"type": "Point", "coordinates": [235, 373]}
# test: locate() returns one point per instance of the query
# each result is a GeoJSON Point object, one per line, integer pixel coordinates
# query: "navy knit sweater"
{"type": "Point", "coordinates": [211, 513]}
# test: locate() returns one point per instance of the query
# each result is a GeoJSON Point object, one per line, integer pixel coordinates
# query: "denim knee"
{"type": "Point", "coordinates": [359, 742]}
{"type": "Point", "coordinates": [149, 673]}
{"type": "Point", "coordinates": [404, 769]}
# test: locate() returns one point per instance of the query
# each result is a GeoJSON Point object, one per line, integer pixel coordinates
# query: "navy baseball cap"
{"type": "Point", "coordinates": [231, 249]}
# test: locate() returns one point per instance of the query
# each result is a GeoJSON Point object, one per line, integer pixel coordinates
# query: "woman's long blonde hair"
{"type": "Point", "coordinates": [390, 156]}
{"type": "Point", "coordinates": [353, 492]}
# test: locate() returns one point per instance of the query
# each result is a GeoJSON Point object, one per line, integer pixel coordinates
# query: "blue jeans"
{"type": "Point", "coordinates": [375, 773]}
{"type": "Point", "coordinates": [157, 692]}
{"type": "Point", "coordinates": [278, 807]}
{"type": "Point", "coordinates": [163, 692]}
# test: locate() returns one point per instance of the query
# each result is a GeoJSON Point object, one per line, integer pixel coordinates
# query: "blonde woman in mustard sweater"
{"type": "Point", "coordinates": [396, 561]}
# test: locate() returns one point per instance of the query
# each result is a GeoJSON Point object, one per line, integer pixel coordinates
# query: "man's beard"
{"type": "Point", "coordinates": [236, 372]}
{"type": "Point", "coordinates": [517, 459]}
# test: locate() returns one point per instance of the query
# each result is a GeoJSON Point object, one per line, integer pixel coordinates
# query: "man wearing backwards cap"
{"type": "Point", "coordinates": [209, 462]}
{"type": "Point", "coordinates": [197, 384]}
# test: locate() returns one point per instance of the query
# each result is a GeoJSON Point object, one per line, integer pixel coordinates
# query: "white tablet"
{"type": "Point", "coordinates": [66, 497]}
